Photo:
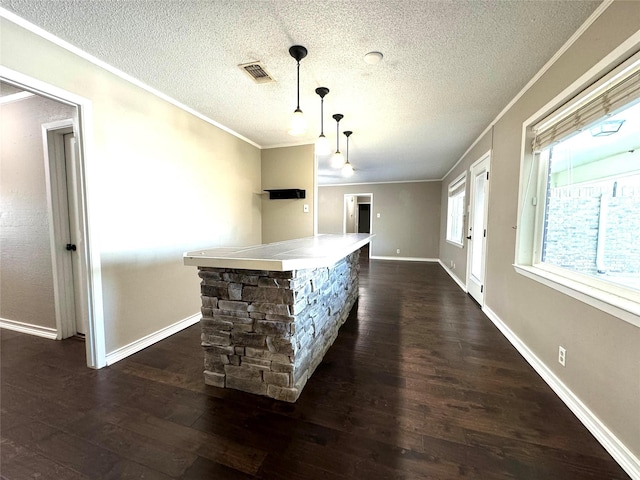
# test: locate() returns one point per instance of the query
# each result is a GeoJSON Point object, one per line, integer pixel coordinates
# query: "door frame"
{"type": "Point", "coordinates": [484, 162]}
{"type": "Point", "coordinates": [344, 210]}
{"type": "Point", "coordinates": [59, 224]}
{"type": "Point", "coordinates": [90, 285]}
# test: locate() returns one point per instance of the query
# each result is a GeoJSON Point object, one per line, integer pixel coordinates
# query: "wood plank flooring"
{"type": "Point", "coordinates": [418, 385]}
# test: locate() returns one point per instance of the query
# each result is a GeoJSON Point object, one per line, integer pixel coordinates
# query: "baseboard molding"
{"type": "Point", "coordinates": [46, 332]}
{"type": "Point", "coordinates": [144, 342]}
{"type": "Point", "coordinates": [621, 454]}
{"type": "Point", "coordinates": [453, 276]}
{"type": "Point", "coordinates": [404, 259]}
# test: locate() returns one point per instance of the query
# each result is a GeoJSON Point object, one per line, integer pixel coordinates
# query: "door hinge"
{"type": "Point", "coordinates": [485, 233]}
{"type": "Point", "coordinates": [481, 288]}
{"type": "Point", "coordinates": [487, 175]}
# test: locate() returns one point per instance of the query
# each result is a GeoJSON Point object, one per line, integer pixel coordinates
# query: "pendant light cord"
{"type": "Point", "coordinates": [347, 149]}
{"type": "Point", "coordinates": [321, 116]}
{"type": "Point", "coordinates": [298, 107]}
{"type": "Point", "coordinates": [338, 136]}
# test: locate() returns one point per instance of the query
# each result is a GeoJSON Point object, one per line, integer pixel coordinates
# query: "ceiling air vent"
{"type": "Point", "coordinates": [257, 72]}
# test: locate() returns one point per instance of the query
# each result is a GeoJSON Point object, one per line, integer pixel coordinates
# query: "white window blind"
{"type": "Point", "coordinates": [457, 186]}
{"type": "Point", "coordinates": [621, 91]}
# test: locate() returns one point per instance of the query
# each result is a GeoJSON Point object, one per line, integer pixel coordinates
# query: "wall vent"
{"type": "Point", "coordinates": [257, 72]}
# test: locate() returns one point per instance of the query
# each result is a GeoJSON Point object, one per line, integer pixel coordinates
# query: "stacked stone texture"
{"type": "Point", "coordinates": [265, 332]}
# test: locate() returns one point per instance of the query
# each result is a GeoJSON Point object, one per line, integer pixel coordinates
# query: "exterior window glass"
{"type": "Point", "coordinates": [478, 224]}
{"type": "Point", "coordinates": [591, 218]}
{"type": "Point", "coordinates": [455, 211]}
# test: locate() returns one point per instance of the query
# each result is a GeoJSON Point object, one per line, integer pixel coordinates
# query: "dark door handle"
{"type": "Point", "coordinates": [469, 237]}
{"type": "Point", "coordinates": [70, 247]}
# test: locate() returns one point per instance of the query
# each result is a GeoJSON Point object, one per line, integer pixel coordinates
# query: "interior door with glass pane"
{"type": "Point", "coordinates": [477, 228]}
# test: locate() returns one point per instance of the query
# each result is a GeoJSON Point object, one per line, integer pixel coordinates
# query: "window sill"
{"type": "Point", "coordinates": [455, 244]}
{"type": "Point", "coordinates": [620, 307]}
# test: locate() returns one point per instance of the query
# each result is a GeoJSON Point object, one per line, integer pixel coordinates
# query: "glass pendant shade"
{"type": "Point", "coordinates": [298, 123]}
{"type": "Point", "coordinates": [322, 146]}
{"type": "Point", "coordinates": [337, 160]}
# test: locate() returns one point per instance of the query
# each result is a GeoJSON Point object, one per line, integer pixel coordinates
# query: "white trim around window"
{"type": "Point", "coordinates": [456, 202]}
{"type": "Point", "coordinates": [621, 302]}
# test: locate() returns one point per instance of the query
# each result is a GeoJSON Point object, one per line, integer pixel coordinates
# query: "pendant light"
{"type": "Point", "coordinates": [298, 122]}
{"type": "Point", "coordinates": [347, 168]}
{"type": "Point", "coordinates": [322, 144]}
{"type": "Point", "coordinates": [337, 159]}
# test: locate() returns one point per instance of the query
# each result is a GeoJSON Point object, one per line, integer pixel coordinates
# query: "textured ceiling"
{"type": "Point", "coordinates": [449, 67]}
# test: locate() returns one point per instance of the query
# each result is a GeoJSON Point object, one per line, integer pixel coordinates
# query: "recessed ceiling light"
{"type": "Point", "coordinates": [373, 57]}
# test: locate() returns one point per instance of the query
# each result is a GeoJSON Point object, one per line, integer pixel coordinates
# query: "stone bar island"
{"type": "Point", "coordinates": [270, 312]}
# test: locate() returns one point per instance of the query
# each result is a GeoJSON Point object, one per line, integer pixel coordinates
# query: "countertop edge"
{"type": "Point", "coordinates": [278, 265]}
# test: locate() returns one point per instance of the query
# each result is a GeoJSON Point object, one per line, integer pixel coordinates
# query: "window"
{"type": "Point", "coordinates": [455, 211]}
{"type": "Point", "coordinates": [580, 214]}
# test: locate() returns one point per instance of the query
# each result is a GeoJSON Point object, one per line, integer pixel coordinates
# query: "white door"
{"type": "Point", "coordinates": [66, 235]}
{"type": "Point", "coordinates": [75, 234]}
{"type": "Point", "coordinates": [477, 228]}
{"type": "Point", "coordinates": [350, 220]}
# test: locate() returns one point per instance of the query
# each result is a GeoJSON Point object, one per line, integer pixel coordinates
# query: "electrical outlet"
{"type": "Point", "coordinates": [378, 215]}
{"type": "Point", "coordinates": [398, 250]}
{"type": "Point", "coordinates": [562, 355]}
{"type": "Point", "coordinates": [451, 263]}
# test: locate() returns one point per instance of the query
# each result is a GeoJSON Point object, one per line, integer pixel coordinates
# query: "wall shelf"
{"type": "Point", "coordinates": [286, 193]}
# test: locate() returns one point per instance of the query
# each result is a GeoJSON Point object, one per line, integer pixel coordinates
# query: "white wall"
{"type": "Point", "coordinates": [160, 182]}
{"type": "Point", "coordinates": [26, 276]}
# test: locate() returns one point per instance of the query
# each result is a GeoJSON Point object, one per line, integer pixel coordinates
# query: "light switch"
{"type": "Point", "coordinates": [305, 209]}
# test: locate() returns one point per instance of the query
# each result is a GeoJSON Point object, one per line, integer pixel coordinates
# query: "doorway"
{"type": "Point", "coordinates": [81, 292]}
{"type": "Point", "coordinates": [358, 210]}
{"type": "Point", "coordinates": [477, 228]}
{"type": "Point", "coordinates": [364, 218]}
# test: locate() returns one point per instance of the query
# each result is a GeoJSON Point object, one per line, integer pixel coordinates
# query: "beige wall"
{"type": "Point", "coordinates": [409, 216]}
{"type": "Point", "coordinates": [161, 182]}
{"type": "Point", "coordinates": [603, 352]}
{"type": "Point", "coordinates": [287, 167]}
{"type": "Point", "coordinates": [25, 252]}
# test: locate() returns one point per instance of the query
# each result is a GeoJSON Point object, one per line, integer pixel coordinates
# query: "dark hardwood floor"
{"type": "Point", "coordinates": [419, 385]}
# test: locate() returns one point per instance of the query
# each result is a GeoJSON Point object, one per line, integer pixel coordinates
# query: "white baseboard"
{"type": "Point", "coordinates": [453, 276]}
{"type": "Point", "coordinates": [405, 259]}
{"type": "Point", "coordinates": [621, 454]}
{"type": "Point", "coordinates": [46, 332]}
{"type": "Point", "coordinates": [150, 339]}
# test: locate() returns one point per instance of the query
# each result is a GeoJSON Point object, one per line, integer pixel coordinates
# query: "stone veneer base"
{"type": "Point", "coordinates": [265, 332]}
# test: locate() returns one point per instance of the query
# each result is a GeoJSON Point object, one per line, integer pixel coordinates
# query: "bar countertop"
{"type": "Point", "coordinates": [309, 252]}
